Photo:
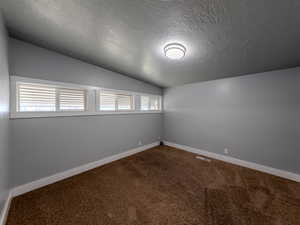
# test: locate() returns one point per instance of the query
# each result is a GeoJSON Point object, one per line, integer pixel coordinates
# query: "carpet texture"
{"type": "Point", "coordinates": [162, 186]}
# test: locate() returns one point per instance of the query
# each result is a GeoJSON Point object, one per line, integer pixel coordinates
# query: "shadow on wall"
{"type": "Point", "coordinates": [254, 117]}
{"type": "Point", "coordinates": [5, 152]}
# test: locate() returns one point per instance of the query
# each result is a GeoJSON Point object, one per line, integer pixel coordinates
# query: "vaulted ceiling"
{"type": "Point", "coordinates": [223, 38]}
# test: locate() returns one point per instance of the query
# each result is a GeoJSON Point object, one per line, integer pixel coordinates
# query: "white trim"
{"type": "Point", "coordinates": [92, 100]}
{"type": "Point", "coordinates": [131, 94]}
{"type": "Point", "coordinates": [5, 210]}
{"type": "Point", "coordinates": [69, 173]}
{"type": "Point", "coordinates": [243, 163]}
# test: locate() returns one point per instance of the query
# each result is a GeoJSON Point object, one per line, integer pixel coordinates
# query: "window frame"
{"type": "Point", "coordinates": [16, 80]}
{"type": "Point", "coordinates": [58, 103]}
{"type": "Point", "coordinates": [92, 101]}
{"type": "Point", "coordinates": [149, 103]}
{"type": "Point", "coordinates": [98, 99]}
{"type": "Point", "coordinates": [18, 107]}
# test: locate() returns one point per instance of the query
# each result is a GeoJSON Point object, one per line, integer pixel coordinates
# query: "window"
{"type": "Point", "coordinates": [115, 101]}
{"type": "Point", "coordinates": [42, 98]}
{"type": "Point", "coordinates": [125, 102]}
{"type": "Point", "coordinates": [35, 97]}
{"type": "Point", "coordinates": [71, 99]}
{"type": "Point", "coordinates": [149, 102]}
{"type": "Point", "coordinates": [145, 102]}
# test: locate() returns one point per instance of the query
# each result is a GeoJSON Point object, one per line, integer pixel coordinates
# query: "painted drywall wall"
{"type": "Point", "coordinates": [4, 115]}
{"type": "Point", "coordinates": [45, 146]}
{"type": "Point", "coordinates": [31, 61]}
{"type": "Point", "coordinates": [256, 117]}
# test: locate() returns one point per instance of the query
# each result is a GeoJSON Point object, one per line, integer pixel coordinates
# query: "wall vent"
{"type": "Point", "coordinates": [203, 158]}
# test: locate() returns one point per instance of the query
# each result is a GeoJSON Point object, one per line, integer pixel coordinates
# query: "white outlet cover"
{"type": "Point", "coordinates": [226, 151]}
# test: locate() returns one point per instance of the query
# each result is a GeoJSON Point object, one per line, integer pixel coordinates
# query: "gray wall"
{"type": "Point", "coordinates": [31, 61]}
{"type": "Point", "coordinates": [256, 117]}
{"type": "Point", "coordinates": [44, 146]}
{"type": "Point", "coordinates": [4, 119]}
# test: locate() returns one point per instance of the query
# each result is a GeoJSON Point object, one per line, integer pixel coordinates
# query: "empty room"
{"type": "Point", "coordinates": [149, 112]}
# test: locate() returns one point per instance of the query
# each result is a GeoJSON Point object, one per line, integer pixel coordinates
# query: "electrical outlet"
{"type": "Point", "coordinates": [226, 151]}
{"type": "Point", "coordinates": [140, 142]}
{"type": "Point", "coordinates": [158, 138]}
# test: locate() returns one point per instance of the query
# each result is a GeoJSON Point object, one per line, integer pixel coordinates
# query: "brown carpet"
{"type": "Point", "coordinates": [162, 186]}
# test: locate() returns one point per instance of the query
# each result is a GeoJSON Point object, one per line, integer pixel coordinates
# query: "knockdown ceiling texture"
{"type": "Point", "coordinates": [223, 37]}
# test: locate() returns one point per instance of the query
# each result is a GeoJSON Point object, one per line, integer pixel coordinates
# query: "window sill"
{"type": "Point", "coordinates": [67, 114]}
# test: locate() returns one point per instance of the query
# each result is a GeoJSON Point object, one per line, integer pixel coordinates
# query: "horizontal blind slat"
{"type": "Point", "coordinates": [107, 101]}
{"type": "Point", "coordinates": [124, 102]}
{"type": "Point", "coordinates": [145, 102]}
{"type": "Point", "coordinates": [149, 102]}
{"type": "Point", "coordinates": [115, 101]}
{"type": "Point", "coordinates": [72, 99]}
{"type": "Point", "coordinates": [36, 97]}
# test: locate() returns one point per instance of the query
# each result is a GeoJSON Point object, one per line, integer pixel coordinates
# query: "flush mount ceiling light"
{"type": "Point", "coordinates": [175, 51]}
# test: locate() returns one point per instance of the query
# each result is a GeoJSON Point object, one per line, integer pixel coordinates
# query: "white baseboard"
{"type": "Point", "coordinates": [4, 213]}
{"type": "Point", "coordinates": [69, 173]}
{"type": "Point", "coordinates": [251, 165]}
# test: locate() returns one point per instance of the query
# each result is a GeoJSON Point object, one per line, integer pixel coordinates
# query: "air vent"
{"type": "Point", "coordinates": [203, 158]}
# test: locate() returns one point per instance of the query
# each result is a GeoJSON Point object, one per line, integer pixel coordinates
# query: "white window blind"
{"type": "Point", "coordinates": [43, 98]}
{"type": "Point", "coordinates": [48, 98]}
{"type": "Point", "coordinates": [124, 102]}
{"type": "Point", "coordinates": [107, 101]}
{"type": "Point", "coordinates": [150, 103]}
{"type": "Point", "coordinates": [71, 99]}
{"type": "Point", "coordinates": [145, 101]}
{"type": "Point", "coordinates": [115, 101]}
{"type": "Point", "coordinates": [36, 98]}
{"type": "Point", "coordinates": [154, 103]}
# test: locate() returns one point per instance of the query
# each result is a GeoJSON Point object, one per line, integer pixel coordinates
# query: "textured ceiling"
{"type": "Point", "coordinates": [223, 37]}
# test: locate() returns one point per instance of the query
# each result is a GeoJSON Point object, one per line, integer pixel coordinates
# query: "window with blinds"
{"type": "Point", "coordinates": [145, 101]}
{"type": "Point", "coordinates": [150, 103]}
{"type": "Point", "coordinates": [71, 99]}
{"type": "Point", "coordinates": [48, 98]}
{"type": "Point", "coordinates": [115, 101]}
{"type": "Point", "coordinates": [36, 98]}
{"type": "Point", "coordinates": [42, 98]}
{"type": "Point", "coordinates": [125, 102]}
{"type": "Point", "coordinates": [154, 103]}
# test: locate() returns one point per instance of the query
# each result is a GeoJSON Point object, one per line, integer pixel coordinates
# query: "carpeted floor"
{"type": "Point", "coordinates": [162, 186]}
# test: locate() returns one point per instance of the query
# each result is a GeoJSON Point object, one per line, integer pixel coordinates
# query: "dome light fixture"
{"type": "Point", "coordinates": [175, 51]}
